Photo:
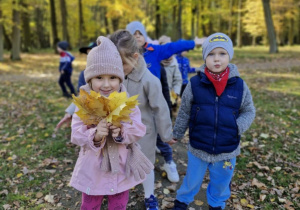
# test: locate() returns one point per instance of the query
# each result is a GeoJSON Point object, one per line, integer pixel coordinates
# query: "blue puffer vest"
{"type": "Point", "coordinates": [213, 126]}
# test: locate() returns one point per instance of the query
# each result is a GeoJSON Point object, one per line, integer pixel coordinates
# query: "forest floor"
{"type": "Point", "coordinates": [36, 163]}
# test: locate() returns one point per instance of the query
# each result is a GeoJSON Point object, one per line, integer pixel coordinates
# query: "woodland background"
{"type": "Point", "coordinates": [38, 24]}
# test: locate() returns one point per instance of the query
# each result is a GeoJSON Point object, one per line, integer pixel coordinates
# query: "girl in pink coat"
{"type": "Point", "coordinates": [110, 161]}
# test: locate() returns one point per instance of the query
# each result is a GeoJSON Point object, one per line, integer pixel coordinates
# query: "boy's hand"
{"type": "Point", "coordinates": [66, 119]}
{"type": "Point", "coordinates": [102, 131]}
{"type": "Point", "coordinates": [199, 41]}
{"type": "Point", "coordinates": [62, 71]}
{"type": "Point", "coordinates": [115, 131]}
{"type": "Point", "coordinates": [172, 141]}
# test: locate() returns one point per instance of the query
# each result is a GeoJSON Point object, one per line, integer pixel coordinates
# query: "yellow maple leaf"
{"type": "Point", "coordinates": [91, 107]}
{"type": "Point", "coordinates": [115, 108]}
{"type": "Point", "coordinates": [122, 112]}
{"type": "Point", "coordinates": [173, 97]}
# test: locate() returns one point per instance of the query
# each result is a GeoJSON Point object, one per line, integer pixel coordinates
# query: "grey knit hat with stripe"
{"type": "Point", "coordinates": [217, 40]}
{"type": "Point", "coordinates": [104, 59]}
{"type": "Point", "coordinates": [137, 26]}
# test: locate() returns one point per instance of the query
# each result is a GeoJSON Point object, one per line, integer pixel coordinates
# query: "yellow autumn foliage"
{"type": "Point", "coordinates": [94, 107]}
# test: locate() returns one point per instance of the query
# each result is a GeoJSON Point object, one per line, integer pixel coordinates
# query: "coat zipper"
{"type": "Point", "coordinates": [195, 118]}
{"type": "Point", "coordinates": [216, 121]}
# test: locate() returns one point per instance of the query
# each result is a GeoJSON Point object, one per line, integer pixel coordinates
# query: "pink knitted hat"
{"type": "Point", "coordinates": [104, 59]}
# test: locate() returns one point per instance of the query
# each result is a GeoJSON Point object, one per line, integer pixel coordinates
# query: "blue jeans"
{"type": "Point", "coordinates": [165, 149]}
{"type": "Point", "coordinates": [218, 190]}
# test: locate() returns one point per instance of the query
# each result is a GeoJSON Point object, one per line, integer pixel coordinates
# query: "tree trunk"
{"type": "Point", "coordinates": [1, 34]}
{"type": "Point", "coordinates": [81, 23]}
{"type": "Point", "coordinates": [16, 35]}
{"type": "Point", "coordinates": [43, 41]}
{"type": "Point", "coordinates": [25, 27]}
{"type": "Point", "coordinates": [194, 10]}
{"type": "Point", "coordinates": [298, 34]}
{"type": "Point", "coordinates": [270, 27]}
{"type": "Point", "coordinates": [115, 23]}
{"type": "Point", "coordinates": [53, 25]}
{"type": "Point", "coordinates": [179, 20]}
{"type": "Point", "coordinates": [253, 41]}
{"type": "Point", "coordinates": [157, 20]}
{"type": "Point", "coordinates": [197, 19]}
{"type": "Point", "coordinates": [174, 23]}
{"type": "Point", "coordinates": [239, 30]}
{"type": "Point", "coordinates": [64, 15]}
{"type": "Point", "coordinates": [291, 32]}
{"type": "Point", "coordinates": [106, 23]}
{"type": "Point", "coordinates": [230, 19]}
{"type": "Point", "coordinates": [7, 43]}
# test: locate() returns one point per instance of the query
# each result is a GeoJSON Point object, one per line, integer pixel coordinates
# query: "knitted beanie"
{"type": "Point", "coordinates": [164, 39]}
{"type": "Point", "coordinates": [63, 45]}
{"type": "Point", "coordinates": [104, 59]}
{"type": "Point", "coordinates": [137, 26]}
{"type": "Point", "coordinates": [217, 40]}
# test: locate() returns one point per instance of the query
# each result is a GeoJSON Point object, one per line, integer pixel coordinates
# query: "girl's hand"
{"type": "Point", "coordinates": [172, 141]}
{"type": "Point", "coordinates": [115, 131]}
{"type": "Point", "coordinates": [66, 119]}
{"type": "Point", "coordinates": [102, 131]}
{"type": "Point", "coordinates": [199, 41]}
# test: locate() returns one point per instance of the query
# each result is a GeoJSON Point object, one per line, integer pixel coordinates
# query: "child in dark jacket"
{"type": "Point", "coordinates": [217, 107]}
{"type": "Point", "coordinates": [65, 68]}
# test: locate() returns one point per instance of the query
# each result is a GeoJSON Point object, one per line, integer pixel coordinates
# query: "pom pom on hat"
{"type": "Point", "coordinates": [104, 59]}
{"type": "Point", "coordinates": [217, 40]}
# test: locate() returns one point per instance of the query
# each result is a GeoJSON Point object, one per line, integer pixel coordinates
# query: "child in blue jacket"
{"type": "Point", "coordinates": [217, 107]}
{"type": "Point", "coordinates": [65, 68]}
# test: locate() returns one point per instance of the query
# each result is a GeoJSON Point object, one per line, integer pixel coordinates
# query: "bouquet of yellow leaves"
{"type": "Point", "coordinates": [94, 107]}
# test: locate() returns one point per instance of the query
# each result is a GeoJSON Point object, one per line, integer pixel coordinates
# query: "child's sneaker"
{"type": "Point", "coordinates": [67, 95]}
{"type": "Point", "coordinates": [151, 203]}
{"type": "Point", "coordinates": [171, 170]}
{"type": "Point", "coordinates": [179, 205]}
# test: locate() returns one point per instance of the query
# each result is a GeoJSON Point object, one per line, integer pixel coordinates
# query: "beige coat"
{"type": "Point", "coordinates": [153, 106]}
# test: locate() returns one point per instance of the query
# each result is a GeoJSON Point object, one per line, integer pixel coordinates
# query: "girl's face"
{"type": "Point", "coordinates": [105, 84]}
{"type": "Point", "coordinates": [139, 38]}
{"type": "Point", "coordinates": [217, 60]}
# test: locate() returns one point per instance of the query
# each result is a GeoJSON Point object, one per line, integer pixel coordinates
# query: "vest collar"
{"type": "Point", "coordinates": [204, 79]}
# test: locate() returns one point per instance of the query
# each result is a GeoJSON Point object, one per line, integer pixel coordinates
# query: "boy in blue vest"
{"type": "Point", "coordinates": [217, 107]}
